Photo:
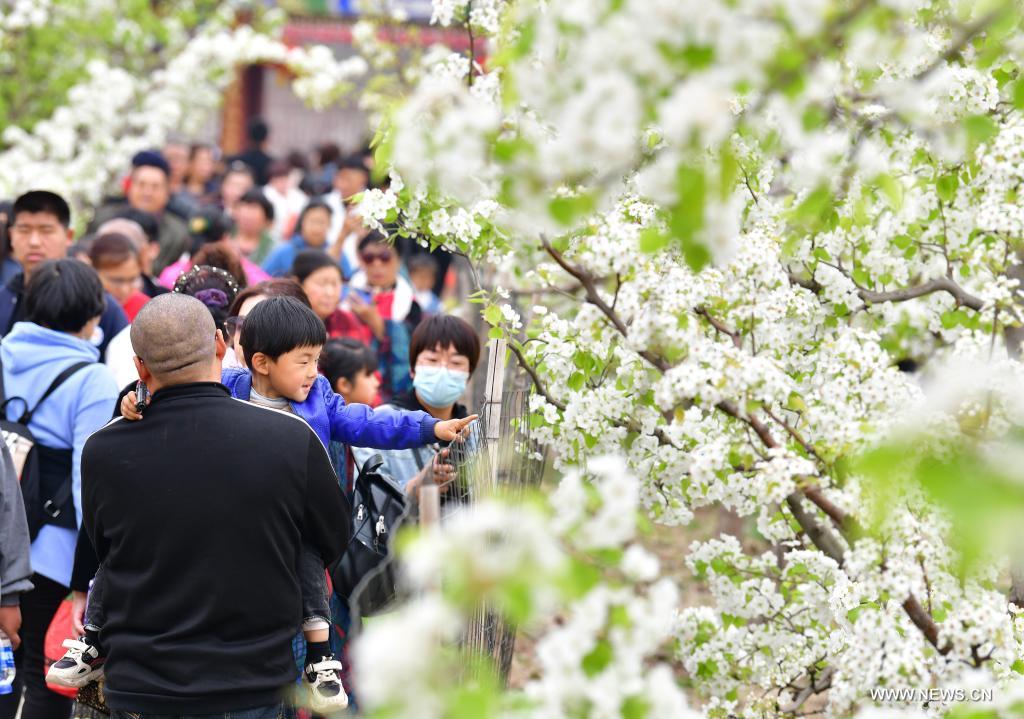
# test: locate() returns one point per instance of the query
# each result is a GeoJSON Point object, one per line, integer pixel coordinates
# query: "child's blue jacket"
{"type": "Point", "coordinates": [356, 424]}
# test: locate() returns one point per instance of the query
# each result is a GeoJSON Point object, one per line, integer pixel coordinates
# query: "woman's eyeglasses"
{"type": "Point", "coordinates": [233, 325]}
{"type": "Point", "coordinates": [383, 256]}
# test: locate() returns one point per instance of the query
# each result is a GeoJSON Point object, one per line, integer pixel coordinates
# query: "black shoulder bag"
{"type": "Point", "coordinates": [365, 575]}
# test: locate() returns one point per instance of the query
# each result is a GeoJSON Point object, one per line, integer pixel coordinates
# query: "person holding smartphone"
{"type": "Point", "coordinates": [379, 292]}
{"type": "Point", "coordinates": [443, 354]}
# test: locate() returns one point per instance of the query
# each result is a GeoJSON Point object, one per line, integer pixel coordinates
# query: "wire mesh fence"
{"type": "Point", "coordinates": [514, 462]}
{"type": "Point", "coordinates": [501, 455]}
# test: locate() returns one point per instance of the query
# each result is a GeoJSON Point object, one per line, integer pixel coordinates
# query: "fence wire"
{"type": "Point", "coordinates": [510, 463]}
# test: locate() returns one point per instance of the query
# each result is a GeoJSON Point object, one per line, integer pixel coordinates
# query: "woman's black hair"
{"type": "Point", "coordinates": [346, 358]}
{"type": "Point", "coordinates": [255, 196]}
{"type": "Point", "coordinates": [309, 261]}
{"type": "Point", "coordinates": [278, 325]}
{"type": "Point", "coordinates": [442, 331]}
{"type": "Point", "coordinates": [63, 295]}
{"type": "Point", "coordinates": [212, 286]}
{"type": "Point", "coordinates": [373, 237]}
{"type": "Point", "coordinates": [311, 205]}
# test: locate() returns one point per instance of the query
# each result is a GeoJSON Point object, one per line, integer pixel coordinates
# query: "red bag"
{"type": "Point", "coordinates": [53, 645]}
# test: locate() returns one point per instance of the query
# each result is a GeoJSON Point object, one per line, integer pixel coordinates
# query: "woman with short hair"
{"type": "Point", "coordinates": [63, 303]}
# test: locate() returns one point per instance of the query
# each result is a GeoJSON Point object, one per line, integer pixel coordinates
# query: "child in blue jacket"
{"type": "Point", "coordinates": [281, 341]}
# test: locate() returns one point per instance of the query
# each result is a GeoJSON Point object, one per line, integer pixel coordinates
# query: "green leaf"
{"type": "Point", "coordinates": [618, 616]}
{"type": "Point", "coordinates": [698, 57]}
{"type": "Point", "coordinates": [517, 601]}
{"type": "Point", "coordinates": [635, 707]}
{"type": "Point", "coordinates": [473, 701]}
{"type": "Point", "coordinates": [506, 149]}
{"type": "Point", "coordinates": [1018, 666]}
{"type": "Point", "coordinates": [979, 128]}
{"type": "Point", "coordinates": [697, 256]}
{"type": "Point", "coordinates": [946, 186]}
{"type": "Point", "coordinates": [579, 579]}
{"type": "Point", "coordinates": [730, 172]}
{"type": "Point", "coordinates": [492, 315]}
{"type": "Point", "coordinates": [812, 212]}
{"type": "Point", "coordinates": [814, 117]}
{"type": "Point", "coordinates": [598, 659]}
{"type": "Point", "coordinates": [687, 216]}
{"type": "Point", "coordinates": [707, 669]}
{"type": "Point", "coordinates": [652, 240]}
{"type": "Point", "coordinates": [576, 381]}
{"type": "Point", "coordinates": [495, 333]}
{"type": "Point", "coordinates": [720, 566]}
{"type": "Point", "coordinates": [1018, 94]}
{"type": "Point", "coordinates": [796, 403]}
{"type": "Point", "coordinates": [567, 210]}
{"type": "Point", "coordinates": [892, 188]}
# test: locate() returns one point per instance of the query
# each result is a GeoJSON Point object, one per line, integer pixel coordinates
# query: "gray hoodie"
{"type": "Point", "coordinates": [15, 567]}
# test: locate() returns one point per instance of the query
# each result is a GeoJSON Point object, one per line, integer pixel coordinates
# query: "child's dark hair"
{"type": "Point", "coordinates": [442, 331]}
{"type": "Point", "coordinates": [278, 325]}
{"type": "Point", "coordinates": [63, 295]}
{"type": "Point", "coordinates": [421, 261]}
{"type": "Point", "coordinates": [345, 358]}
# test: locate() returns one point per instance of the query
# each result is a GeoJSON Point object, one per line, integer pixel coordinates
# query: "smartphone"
{"type": "Point", "coordinates": [141, 396]}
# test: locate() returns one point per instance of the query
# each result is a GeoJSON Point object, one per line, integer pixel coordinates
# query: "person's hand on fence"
{"type": "Point", "coordinates": [439, 471]}
{"type": "Point", "coordinates": [78, 612]}
{"type": "Point", "coordinates": [451, 430]}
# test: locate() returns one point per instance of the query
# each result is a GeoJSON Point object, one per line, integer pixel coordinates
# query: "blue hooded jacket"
{"type": "Point", "coordinates": [32, 358]}
{"type": "Point", "coordinates": [356, 424]}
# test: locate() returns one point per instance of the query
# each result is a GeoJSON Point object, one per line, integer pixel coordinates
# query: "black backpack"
{"type": "Point", "coordinates": [364, 576]}
{"type": "Point", "coordinates": [44, 472]}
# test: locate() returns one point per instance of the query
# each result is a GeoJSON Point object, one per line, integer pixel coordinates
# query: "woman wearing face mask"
{"type": "Point", "coordinates": [443, 355]}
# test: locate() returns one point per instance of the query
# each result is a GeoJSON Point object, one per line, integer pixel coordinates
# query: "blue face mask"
{"type": "Point", "coordinates": [439, 386]}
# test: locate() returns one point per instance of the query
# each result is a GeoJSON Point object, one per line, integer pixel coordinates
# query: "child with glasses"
{"type": "Point", "coordinates": [280, 341]}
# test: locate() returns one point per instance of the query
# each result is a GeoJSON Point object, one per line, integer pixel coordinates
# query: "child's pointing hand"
{"type": "Point", "coordinates": [451, 429]}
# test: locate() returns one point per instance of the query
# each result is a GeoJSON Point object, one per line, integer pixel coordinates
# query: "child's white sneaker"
{"type": "Point", "coordinates": [80, 665]}
{"type": "Point", "coordinates": [325, 688]}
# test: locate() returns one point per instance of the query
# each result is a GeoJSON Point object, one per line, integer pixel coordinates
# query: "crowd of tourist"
{"type": "Point", "coordinates": [191, 532]}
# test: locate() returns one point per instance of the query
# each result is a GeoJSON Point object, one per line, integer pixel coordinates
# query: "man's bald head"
{"type": "Point", "coordinates": [129, 228]}
{"type": "Point", "coordinates": [175, 337]}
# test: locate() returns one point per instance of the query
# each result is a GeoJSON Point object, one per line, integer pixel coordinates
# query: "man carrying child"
{"type": "Point", "coordinates": [199, 523]}
{"type": "Point", "coordinates": [280, 342]}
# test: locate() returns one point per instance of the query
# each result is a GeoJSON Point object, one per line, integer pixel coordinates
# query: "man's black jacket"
{"type": "Point", "coordinates": [198, 514]}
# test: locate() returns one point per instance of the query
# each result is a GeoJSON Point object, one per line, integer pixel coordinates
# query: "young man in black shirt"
{"type": "Point", "coordinates": [198, 515]}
